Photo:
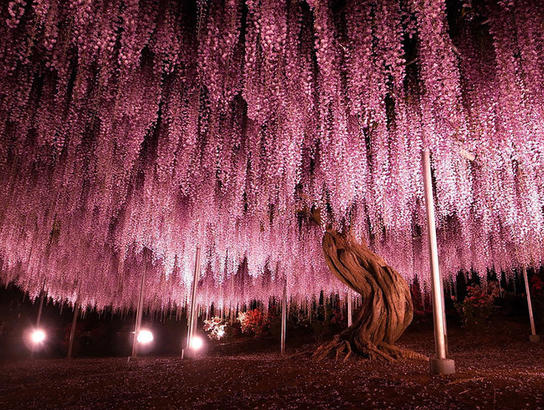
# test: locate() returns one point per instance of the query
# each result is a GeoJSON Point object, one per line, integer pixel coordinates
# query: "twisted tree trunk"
{"type": "Point", "coordinates": [387, 304]}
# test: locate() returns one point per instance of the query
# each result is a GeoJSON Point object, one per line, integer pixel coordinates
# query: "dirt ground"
{"type": "Point", "coordinates": [496, 368]}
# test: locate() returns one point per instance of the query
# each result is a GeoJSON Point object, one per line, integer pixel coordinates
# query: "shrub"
{"type": "Point", "coordinates": [537, 286]}
{"type": "Point", "coordinates": [253, 322]}
{"type": "Point", "coordinates": [477, 305]}
{"type": "Point", "coordinates": [537, 295]}
{"type": "Point", "coordinates": [215, 328]}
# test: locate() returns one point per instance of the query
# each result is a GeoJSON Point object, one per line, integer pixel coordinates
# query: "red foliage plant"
{"type": "Point", "coordinates": [537, 285]}
{"type": "Point", "coordinates": [477, 306]}
{"type": "Point", "coordinates": [253, 322]}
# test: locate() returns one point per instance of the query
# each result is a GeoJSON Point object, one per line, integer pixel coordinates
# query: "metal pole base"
{"type": "Point", "coordinates": [442, 366]}
{"type": "Point", "coordinates": [535, 338]}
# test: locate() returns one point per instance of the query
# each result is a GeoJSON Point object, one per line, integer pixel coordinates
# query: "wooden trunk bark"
{"type": "Point", "coordinates": [386, 308]}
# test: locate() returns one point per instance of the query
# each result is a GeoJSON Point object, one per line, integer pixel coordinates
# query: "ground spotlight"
{"type": "Point", "coordinates": [144, 336]}
{"type": "Point", "coordinates": [37, 336]}
{"type": "Point", "coordinates": [196, 343]}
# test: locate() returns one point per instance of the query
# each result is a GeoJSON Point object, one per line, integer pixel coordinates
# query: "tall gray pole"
{"type": "Point", "coordinates": [193, 314]}
{"type": "Point", "coordinates": [283, 317]}
{"type": "Point", "coordinates": [440, 364]}
{"type": "Point", "coordinates": [533, 337]}
{"type": "Point", "coordinates": [138, 323]}
{"type": "Point", "coordinates": [350, 310]}
{"type": "Point", "coordinates": [73, 330]}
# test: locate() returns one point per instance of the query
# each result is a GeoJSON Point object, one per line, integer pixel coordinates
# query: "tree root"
{"type": "Point", "coordinates": [380, 351]}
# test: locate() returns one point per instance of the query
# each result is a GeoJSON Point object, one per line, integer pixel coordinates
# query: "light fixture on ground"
{"type": "Point", "coordinates": [37, 336]}
{"type": "Point", "coordinates": [196, 343]}
{"type": "Point", "coordinates": [144, 336]}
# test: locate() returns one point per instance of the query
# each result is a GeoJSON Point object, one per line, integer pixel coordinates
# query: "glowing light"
{"type": "Point", "coordinates": [196, 343]}
{"type": "Point", "coordinates": [37, 336]}
{"type": "Point", "coordinates": [221, 333]}
{"type": "Point", "coordinates": [144, 336]}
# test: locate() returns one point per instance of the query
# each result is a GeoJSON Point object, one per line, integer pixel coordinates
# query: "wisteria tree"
{"type": "Point", "coordinates": [158, 124]}
{"type": "Point", "coordinates": [387, 303]}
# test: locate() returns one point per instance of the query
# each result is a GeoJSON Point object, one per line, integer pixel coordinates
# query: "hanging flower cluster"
{"type": "Point", "coordinates": [132, 131]}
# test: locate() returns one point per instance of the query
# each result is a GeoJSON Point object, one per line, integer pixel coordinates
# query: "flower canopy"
{"type": "Point", "coordinates": [134, 130]}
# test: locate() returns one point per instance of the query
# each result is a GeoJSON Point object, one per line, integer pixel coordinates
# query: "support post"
{"type": "Point", "coordinates": [283, 317]}
{"type": "Point", "coordinates": [533, 337]}
{"type": "Point", "coordinates": [192, 314]}
{"type": "Point", "coordinates": [440, 364]}
{"type": "Point", "coordinates": [350, 310]}
{"type": "Point", "coordinates": [138, 322]}
{"type": "Point", "coordinates": [73, 330]}
{"type": "Point", "coordinates": [40, 309]}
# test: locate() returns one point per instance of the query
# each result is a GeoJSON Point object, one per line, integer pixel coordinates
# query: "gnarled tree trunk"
{"type": "Point", "coordinates": [387, 304]}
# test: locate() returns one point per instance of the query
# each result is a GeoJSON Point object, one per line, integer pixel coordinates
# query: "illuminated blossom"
{"type": "Point", "coordinates": [132, 131]}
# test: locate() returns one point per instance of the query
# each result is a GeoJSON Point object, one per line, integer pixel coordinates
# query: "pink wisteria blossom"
{"type": "Point", "coordinates": [132, 131]}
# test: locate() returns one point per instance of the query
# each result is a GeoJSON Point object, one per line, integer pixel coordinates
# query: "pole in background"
{"type": "Point", "coordinates": [40, 309]}
{"type": "Point", "coordinates": [192, 314]}
{"type": "Point", "coordinates": [138, 322]}
{"type": "Point", "coordinates": [533, 337]}
{"type": "Point", "coordinates": [440, 364]}
{"type": "Point", "coordinates": [350, 310]}
{"type": "Point", "coordinates": [283, 317]}
{"type": "Point", "coordinates": [73, 330]}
